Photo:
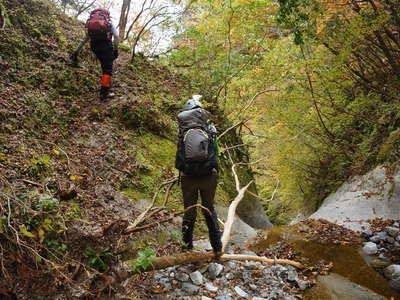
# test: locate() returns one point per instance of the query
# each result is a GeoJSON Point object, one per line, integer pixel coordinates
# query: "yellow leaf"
{"type": "Point", "coordinates": [41, 235]}
{"type": "Point", "coordinates": [75, 177]}
{"type": "Point", "coordinates": [25, 231]}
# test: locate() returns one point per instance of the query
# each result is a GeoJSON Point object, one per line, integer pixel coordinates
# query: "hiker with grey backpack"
{"type": "Point", "coordinates": [104, 42]}
{"type": "Point", "coordinates": [197, 162]}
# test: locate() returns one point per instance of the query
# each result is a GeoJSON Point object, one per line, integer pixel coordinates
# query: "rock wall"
{"type": "Point", "coordinates": [373, 195]}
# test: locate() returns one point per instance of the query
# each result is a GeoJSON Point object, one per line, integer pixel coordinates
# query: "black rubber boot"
{"type": "Point", "coordinates": [105, 93]}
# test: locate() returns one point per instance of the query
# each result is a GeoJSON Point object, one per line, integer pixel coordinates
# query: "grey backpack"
{"type": "Point", "coordinates": [196, 142]}
{"type": "Point", "coordinates": [197, 153]}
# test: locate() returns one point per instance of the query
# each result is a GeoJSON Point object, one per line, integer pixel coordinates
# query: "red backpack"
{"type": "Point", "coordinates": [99, 25]}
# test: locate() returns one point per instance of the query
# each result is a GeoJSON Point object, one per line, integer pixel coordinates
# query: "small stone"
{"type": "Point", "coordinates": [265, 294]}
{"type": "Point", "coordinates": [182, 277]}
{"type": "Point", "coordinates": [383, 257]}
{"type": "Point", "coordinates": [229, 276]}
{"type": "Point", "coordinates": [289, 298]}
{"type": "Point", "coordinates": [210, 287]}
{"type": "Point", "coordinates": [388, 239]}
{"type": "Point", "coordinates": [258, 298]}
{"type": "Point", "coordinates": [214, 270]}
{"type": "Point", "coordinates": [302, 284]}
{"type": "Point", "coordinates": [392, 272]}
{"type": "Point", "coordinates": [375, 239]}
{"type": "Point", "coordinates": [370, 248]}
{"type": "Point", "coordinates": [396, 224]}
{"type": "Point", "coordinates": [172, 274]}
{"type": "Point", "coordinates": [381, 234]}
{"type": "Point", "coordinates": [366, 233]}
{"type": "Point", "coordinates": [392, 231]}
{"type": "Point", "coordinates": [379, 264]}
{"type": "Point", "coordinates": [240, 292]}
{"type": "Point", "coordinates": [231, 264]}
{"type": "Point", "coordinates": [246, 277]}
{"type": "Point", "coordinates": [205, 298]}
{"type": "Point", "coordinates": [203, 269]}
{"type": "Point", "coordinates": [396, 244]}
{"type": "Point", "coordinates": [225, 297]}
{"type": "Point", "coordinates": [190, 288]}
{"type": "Point", "coordinates": [395, 284]}
{"type": "Point", "coordinates": [398, 238]}
{"type": "Point", "coordinates": [196, 277]}
{"type": "Point", "coordinates": [251, 265]}
{"type": "Point", "coordinates": [292, 276]}
{"type": "Point", "coordinates": [158, 276]}
{"type": "Point", "coordinates": [253, 287]}
{"type": "Point", "coordinates": [175, 282]}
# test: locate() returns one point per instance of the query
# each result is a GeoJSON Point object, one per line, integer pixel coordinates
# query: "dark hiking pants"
{"type": "Point", "coordinates": [104, 52]}
{"type": "Point", "coordinates": [206, 186]}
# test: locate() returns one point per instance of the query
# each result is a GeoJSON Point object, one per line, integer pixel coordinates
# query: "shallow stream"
{"type": "Point", "coordinates": [347, 261]}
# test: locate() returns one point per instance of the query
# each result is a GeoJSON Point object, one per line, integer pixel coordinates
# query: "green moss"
{"type": "Point", "coordinates": [155, 163]}
{"type": "Point", "coordinates": [390, 149]}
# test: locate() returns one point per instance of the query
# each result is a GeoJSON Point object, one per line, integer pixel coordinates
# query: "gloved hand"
{"type": "Point", "coordinates": [115, 53]}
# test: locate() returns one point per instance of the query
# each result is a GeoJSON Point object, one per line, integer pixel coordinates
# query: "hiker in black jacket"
{"type": "Point", "coordinates": [104, 42]}
{"type": "Point", "coordinates": [196, 159]}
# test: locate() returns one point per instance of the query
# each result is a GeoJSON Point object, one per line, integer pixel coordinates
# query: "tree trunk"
{"type": "Point", "coordinates": [158, 263]}
{"type": "Point", "coordinates": [123, 19]}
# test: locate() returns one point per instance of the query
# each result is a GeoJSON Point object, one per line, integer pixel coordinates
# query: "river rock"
{"type": "Point", "coordinates": [196, 278]}
{"type": "Point", "coordinates": [253, 287]}
{"type": "Point", "coordinates": [205, 298]}
{"type": "Point", "coordinates": [292, 275]}
{"type": "Point", "coordinates": [182, 277]}
{"type": "Point", "coordinates": [229, 276]}
{"type": "Point", "coordinates": [395, 284]}
{"type": "Point", "coordinates": [388, 239]}
{"type": "Point", "coordinates": [225, 297]}
{"type": "Point", "coordinates": [370, 248]}
{"type": "Point", "coordinates": [210, 287]}
{"type": "Point", "coordinates": [231, 264]}
{"type": "Point", "coordinates": [258, 298]}
{"type": "Point", "coordinates": [379, 264]}
{"type": "Point", "coordinates": [375, 239]}
{"type": "Point", "coordinates": [395, 224]}
{"type": "Point", "coordinates": [251, 265]}
{"type": "Point", "coordinates": [381, 234]}
{"type": "Point", "coordinates": [369, 196]}
{"type": "Point", "coordinates": [190, 288]}
{"type": "Point", "coordinates": [367, 233]}
{"type": "Point", "coordinates": [392, 231]}
{"type": "Point", "coordinates": [302, 284]}
{"type": "Point", "coordinates": [240, 292]}
{"type": "Point", "coordinates": [392, 272]}
{"type": "Point", "coordinates": [214, 270]}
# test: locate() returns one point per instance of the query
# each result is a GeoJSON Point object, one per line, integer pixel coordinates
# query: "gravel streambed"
{"type": "Point", "coordinates": [230, 280]}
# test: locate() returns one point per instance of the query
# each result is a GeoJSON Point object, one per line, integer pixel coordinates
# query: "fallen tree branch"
{"type": "Point", "coordinates": [232, 209]}
{"type": "Point", "coordinates": [130, 229]}
{"type": "Point", "coordinates": [262, 259]}
{"type": "Point", "coordinates": [158, 263]}
{"type": "Point", "coordinates": [142, 216]}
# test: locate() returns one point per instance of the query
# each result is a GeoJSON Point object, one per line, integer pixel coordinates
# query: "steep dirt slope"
{"type": "Point", "coordinates": [65, 157]}
{"type": "Point", "coordinates": [71, 166]}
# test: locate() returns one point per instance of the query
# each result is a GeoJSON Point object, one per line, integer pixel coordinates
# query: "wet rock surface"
{"type": "Point", "coordinates": [230, 280]}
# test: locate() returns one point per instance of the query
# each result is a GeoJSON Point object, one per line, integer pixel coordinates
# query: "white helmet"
{"type": "Point", "coordinates": [193, 103]}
